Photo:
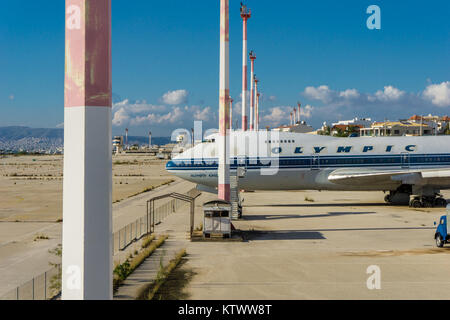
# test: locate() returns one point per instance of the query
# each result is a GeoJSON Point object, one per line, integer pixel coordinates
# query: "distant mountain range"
{"type": "Point", "coordinates": [17, 133]}
{"type": "Point", "coordinates": [50, 140]}
{"type": "Point", "coordinates": [160, 141]}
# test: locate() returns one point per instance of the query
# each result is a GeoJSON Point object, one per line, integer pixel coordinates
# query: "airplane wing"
{"type": "Point", "coordinates": [360, 177]}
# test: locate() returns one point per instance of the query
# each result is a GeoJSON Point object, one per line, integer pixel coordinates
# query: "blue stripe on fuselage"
{"type": "Point", "coordinates": [407, 160]}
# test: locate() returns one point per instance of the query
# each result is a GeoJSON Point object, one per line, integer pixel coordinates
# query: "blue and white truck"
{"type": "Point", "coordinates": [441, 236]}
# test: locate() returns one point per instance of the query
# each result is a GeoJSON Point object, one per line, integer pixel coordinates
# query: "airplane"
{"type": "Point", "coordinates": [417, 166]}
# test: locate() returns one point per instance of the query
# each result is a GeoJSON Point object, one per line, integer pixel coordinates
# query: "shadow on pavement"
{"type": "Point", "coordinates": [319, 205]}
{"type": "Point", "coordinates": [283, 235]}
{"type": "Point", "coordinates": [297, 216]}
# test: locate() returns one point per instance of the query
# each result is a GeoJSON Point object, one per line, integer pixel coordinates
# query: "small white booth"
{"type": "Point", "coordinates": [217, 219]}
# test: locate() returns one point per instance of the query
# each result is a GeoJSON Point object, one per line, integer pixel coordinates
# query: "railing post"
{"type": "Point", "coordinates": [192, 216]}
{"type": "Point", "coordinates": [45, 285]}
{"type": "Point", "coordinates": [33, 288]}
{"type": "Point", "coordinates": [119, 240]}
{"type": "Point", "coordinates": [153, 217]}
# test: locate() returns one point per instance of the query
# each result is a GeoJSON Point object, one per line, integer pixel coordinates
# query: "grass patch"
{"type": "Point", "coordinates": [308, 199]}
{"type": "Point", "coordinates": [147, 241]}
{"type": "Point", "coordinates": [119, 163]}
{"type": "Point", "coordinates": [151, 292]}
{"type": "Point", "coordinates": [56, 280]}
{"type": "Point", "coordinates": [177, 281]}
{"type": "Point", "coordinates": [123, 270]}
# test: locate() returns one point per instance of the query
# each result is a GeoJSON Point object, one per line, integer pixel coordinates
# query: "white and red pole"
{"type": "Point", "coordinates": [299, 109]}
{"type": "Point", "coordinates": [224, 103]}
{"type": "Point", "coordinates": [231, 113]}
{"type": "Point", "coordinates": [150, 139]}
{"type": "Point", "coordinates": [291, 118]}
{"type": "Point", "coordinates": [256, 103]}
{"type": "Point", "coordinates": [245, 14]}
{"type": "Point", "coordinates": [252, 91]}
{"type": "Point", "coordinates": [295, 116]}
{"type": "Point", "coordinates": [87, 220]}
{"type": "Point", "coordinates": [257, 111]}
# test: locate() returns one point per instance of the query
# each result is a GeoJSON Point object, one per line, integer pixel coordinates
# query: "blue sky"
{"type": "Point", "coordinates": [166, 61]}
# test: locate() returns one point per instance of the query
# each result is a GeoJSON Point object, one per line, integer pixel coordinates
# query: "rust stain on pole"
{"type": "Point", "coordinates": [88, 73]}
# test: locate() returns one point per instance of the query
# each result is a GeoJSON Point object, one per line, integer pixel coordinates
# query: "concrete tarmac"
{"type": "Point", "coordinates": [319, 245]}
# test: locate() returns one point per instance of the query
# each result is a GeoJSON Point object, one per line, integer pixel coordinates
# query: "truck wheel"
{"type": "Point", "coordinates": [439, 241]}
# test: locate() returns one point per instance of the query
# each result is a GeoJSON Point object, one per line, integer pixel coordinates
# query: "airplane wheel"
{"type": "Point", "coordinates": [439, 241]}
{"type": "Point", "coordinates": [428, 204]}
{"type": "Point", "coordinates": [416, 203]}
{"type": "Point", "coordinates": [387, 199]}
{"type": "Point", "coordinates": [441, 203]}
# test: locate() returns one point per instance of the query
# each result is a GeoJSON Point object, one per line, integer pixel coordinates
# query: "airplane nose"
{"type": "Point", "coordinates": [170, 166]}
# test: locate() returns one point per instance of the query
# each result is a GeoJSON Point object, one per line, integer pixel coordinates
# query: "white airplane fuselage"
{"type": "Point", "coordinates": [295, 161]}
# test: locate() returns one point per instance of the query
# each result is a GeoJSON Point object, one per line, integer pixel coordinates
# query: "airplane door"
{"type": "Point", "coordinates": [405, 160]}
{"type": "Point", "coordinates": [315, 162]}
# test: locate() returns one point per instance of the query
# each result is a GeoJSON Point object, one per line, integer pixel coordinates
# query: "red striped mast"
{"type": "Point", "coordinates": [224, 103]}
{"type": "Point", "coordinates": [245, 14]}
{"type": "Point", "coordinates": [252, 92]}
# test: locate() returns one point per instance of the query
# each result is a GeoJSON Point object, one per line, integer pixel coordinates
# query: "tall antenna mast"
{"type": "Point", "coordinates": [245, 15]}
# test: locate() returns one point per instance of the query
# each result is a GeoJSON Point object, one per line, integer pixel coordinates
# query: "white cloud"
{"type": "Point", "coordinates": [306, 111]}
{"type": "Point", "coordinates": [175, 97]}
{"type": "Point", "coordinates": [389, 102]}
{"type": "Point", "coordinates": [277, 115]}
{"type": "Point", "coordinates": [172, 117]}
{"type": "Point", "coordinates": [137, 107]}
{"type": "Point", "coordinates": [167, 117]}
{"type": "Point", "coordinates": [120, 117]}
{"type": "Point", "coordinates": [282, 114]}
{"type": "Point", "coordinates": [60, 126]}
{"type": "Point", "coordinates": [326, 95]}
{"type": "Point", "coordinates": [237, 108]}
{"type": "Point", "coordinates": [321, 93]}
{"type": "Point", "coordinates": [11, 97]}
{"type": "Point", "coordinates": [203, 114]}
{"type": "Point", "coordinates": [390, 93]}
{"type": "Point", "coordinates": [349, 94]}
{"type": "Point", "coordinates": [352, 96]}
{"type": "Point", "coordinates": [438, 94]}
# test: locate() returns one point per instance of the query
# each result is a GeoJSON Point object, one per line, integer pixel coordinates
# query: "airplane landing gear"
{"type": "Point", "coordinates": [397, 198]}
{"type": "Point", "coordinates": [387, 199]}
{"type": "Point", "coordinates": [440, 202]}
{"type": "Point", "coordinates": [428, 202]}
